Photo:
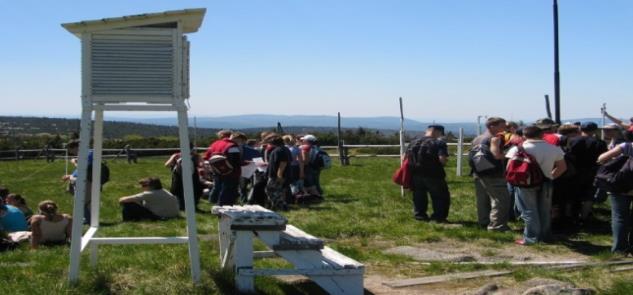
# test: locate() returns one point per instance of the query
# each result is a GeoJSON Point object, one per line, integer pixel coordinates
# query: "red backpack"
{"type": "Point", "coordinates": [523, 170]}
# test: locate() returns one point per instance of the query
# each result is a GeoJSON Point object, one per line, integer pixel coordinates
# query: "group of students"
{"type": "Point", "coordinates": [286, 169]}
{"type": "Point", "coordinates": [19, 224]}
{"type": "Point", "coordinates": [543, 173]}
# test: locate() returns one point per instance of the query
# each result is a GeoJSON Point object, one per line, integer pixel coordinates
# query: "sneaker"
{"type": "Point", "coordinates": [521, 242]}
{"type": "Point", "coordinates": [422, 218]}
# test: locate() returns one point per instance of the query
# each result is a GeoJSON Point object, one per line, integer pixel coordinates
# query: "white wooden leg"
{"type": "Point", "coordinates": [96, 169]}
{"type": "Point", "coordinates": [93, 254]}
{"type": "Point", "coordinates": [243, 250]}
{"type": "Point", "coordinates": [80, 192]}
{"type": "Point", "coordinates": [190, 208]}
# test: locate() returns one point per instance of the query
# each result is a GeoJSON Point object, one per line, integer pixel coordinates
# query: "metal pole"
{"type": "Point", "coordinates": [460, 151]}
{"type": "Point", "coordinates": [556, 66]}
{"type": "Point", "coordinates": [401, 140]}
{"type": "Point", "coordinates": [341, 154]}
{"type": "Point", "coordinates": [478, 125]}
{"type": "Point", "coordinates": [603, 110]}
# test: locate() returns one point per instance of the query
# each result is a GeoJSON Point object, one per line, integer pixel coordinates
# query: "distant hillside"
{"type": "Point", "coordinates": [16, 126]}
{"type": "Point", "coordinates": [384, 124]}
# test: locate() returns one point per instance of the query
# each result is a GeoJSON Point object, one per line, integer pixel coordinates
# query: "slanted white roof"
{"type": "Point", "coordinates": [190, 20]}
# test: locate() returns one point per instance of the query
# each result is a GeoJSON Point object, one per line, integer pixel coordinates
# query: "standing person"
{"type": "Point", "coordinates": [585, 150]}
{"type": "Point", "coordinates": [257, 195]}
{"type": "Point", "coordinates": [154, 203]}
{"type": "Point", "coordinates": [427, 157]}
{"type": "Point", "coordinates": [310, 172]}
{"type": "Point", "coordinates": [296, 165]}
{"type": "Point", "coordinates": [278, 172]}
{"type": "Point", "coordinates": [73, 149]}
{"type": "Point", "coordinates": [174, 163]}
{"type": "Point", "coordinates": [493, 198]}
{"type": "Point", "coordinates": [549, 131]}
{"type": "Point", "coordinates": [227, 180]}
{"type": "Point", "coordinates": [535, 203]}
{"type": "Point", "coordinates": [50, 227]}
{"type": "Point", "coordinates": [621, 213]}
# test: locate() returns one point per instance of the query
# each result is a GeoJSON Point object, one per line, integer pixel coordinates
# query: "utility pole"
{"type": "Point", "coordinates": [556, 67]}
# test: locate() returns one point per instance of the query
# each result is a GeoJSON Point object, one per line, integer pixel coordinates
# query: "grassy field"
{"type": "Point", "coordinates": [363, 215]}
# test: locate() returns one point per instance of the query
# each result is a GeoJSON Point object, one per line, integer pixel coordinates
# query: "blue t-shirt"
{"type": "Point", "coordinates": [89, 163]}
{"type": "Point", "coordinates": [13, 220]}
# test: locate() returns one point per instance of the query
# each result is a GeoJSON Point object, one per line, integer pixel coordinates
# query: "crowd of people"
{"type": "Point", "coordinates": [543, 173]}
{"type": "Point", "coordinates": [283, 170]}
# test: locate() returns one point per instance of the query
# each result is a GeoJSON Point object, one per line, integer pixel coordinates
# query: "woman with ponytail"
{"type": "Point", "coordinates": [50, 227]}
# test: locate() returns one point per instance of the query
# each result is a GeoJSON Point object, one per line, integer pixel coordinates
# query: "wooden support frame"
{"type": "Point", "coordinates": [80, 242]}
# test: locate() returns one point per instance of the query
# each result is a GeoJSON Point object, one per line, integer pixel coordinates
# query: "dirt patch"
{"type": "Point", "coordinates": [455, 251]}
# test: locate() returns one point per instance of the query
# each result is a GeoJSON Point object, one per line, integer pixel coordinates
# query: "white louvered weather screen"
{"type": "Point", "coordinates": [137, 63]}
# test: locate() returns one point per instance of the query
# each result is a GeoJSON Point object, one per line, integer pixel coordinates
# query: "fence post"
{"type": "Point", "coordinates": [342, 152]}
{"type": "Point", "coordinates": [460, 151]}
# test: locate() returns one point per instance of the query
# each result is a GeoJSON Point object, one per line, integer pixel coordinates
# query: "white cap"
{"type": "Point", "coordinates": [309, 137]}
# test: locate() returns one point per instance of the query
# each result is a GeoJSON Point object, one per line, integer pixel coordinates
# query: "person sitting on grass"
{"type": "Point", "coordinates": [16, 200]}
{"type": "Point", "coordinates": [4, 192]}
{"type": "Point", "coordinates": [154, 203]}
{"type": "Point", "coordinates": [11, 219]}
{"type": "Point", "coordinates": [49, 227]}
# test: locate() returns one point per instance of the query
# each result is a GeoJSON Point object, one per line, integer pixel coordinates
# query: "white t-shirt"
{"type": "Point", "coordinates": [161, 202]}
{"type": "Point", "coordinates": [544, 153]}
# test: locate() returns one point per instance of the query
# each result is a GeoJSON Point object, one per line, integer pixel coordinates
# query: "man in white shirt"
{"type": "Point", "coordinates": [535, 203]}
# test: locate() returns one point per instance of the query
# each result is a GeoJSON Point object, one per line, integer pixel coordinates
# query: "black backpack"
{"type": "Point", "coordinates": [616, 176]}
{"type": "Point", "coordinates": [422, 153]}
{"type": "Point", "coordinates": [105, 173]}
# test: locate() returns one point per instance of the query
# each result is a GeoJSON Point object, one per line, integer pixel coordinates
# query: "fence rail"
{"type": "Point", "coordinates": [115, 153]}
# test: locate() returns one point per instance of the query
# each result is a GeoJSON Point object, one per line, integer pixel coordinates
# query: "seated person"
{"type": "Point", "coordinates": [50, 227]}
{"type": "Point", "coordinates": [153, 203]}
{"type": "Point", "coordinates": [4, 192]}
{"type": "Point", "coordinates": [11, 219]}
{"type": "Point", "coordinates": [16, 200]}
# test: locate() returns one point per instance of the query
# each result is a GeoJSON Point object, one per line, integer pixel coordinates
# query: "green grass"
{"type": "Point", "coordinates": [362, 215]}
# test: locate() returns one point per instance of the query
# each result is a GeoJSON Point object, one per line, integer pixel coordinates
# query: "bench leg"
{"type": "Point", "coordinates": [226, 259]}
{"type": "Point", "coordinates": [243, 257]}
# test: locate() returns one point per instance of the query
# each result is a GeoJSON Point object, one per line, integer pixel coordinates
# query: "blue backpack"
{"type": "Point", "coordinates": [319, 159]}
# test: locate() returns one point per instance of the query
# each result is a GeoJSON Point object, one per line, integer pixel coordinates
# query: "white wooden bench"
{"type": "Point", "coordinates": [333, 271]}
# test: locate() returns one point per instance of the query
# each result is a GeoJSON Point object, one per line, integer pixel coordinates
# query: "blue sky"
{"type": "Point", "coordinates": [449, 59]}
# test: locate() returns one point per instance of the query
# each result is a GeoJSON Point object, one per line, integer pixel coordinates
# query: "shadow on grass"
{"type": "Point", "coordinates": [584, 247]}
{"type": "Point", "coordinates": [308, 287]}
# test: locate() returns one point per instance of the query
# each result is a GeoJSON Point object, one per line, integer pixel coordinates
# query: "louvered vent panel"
{"type": "Point", "coordinates": [132, 65]}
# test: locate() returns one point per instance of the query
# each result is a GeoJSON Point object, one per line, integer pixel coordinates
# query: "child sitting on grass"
{"type": "Point", "coordinates": [50, 227]}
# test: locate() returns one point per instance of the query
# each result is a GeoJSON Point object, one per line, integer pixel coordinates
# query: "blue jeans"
{"type": "Point", "coordinates": [535, 205]}
{"type": "Point", "coordinates": [228, 191]}
{"type": "Point", "coordinates": [440, 197]}
{"type": "Point", "coordinates": [621, 223]}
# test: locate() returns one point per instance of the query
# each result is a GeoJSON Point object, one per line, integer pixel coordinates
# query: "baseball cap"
{"type": "Point", "coordinates": [309, 137]}
{"type": "Point", "coordinates": [545, 123]}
